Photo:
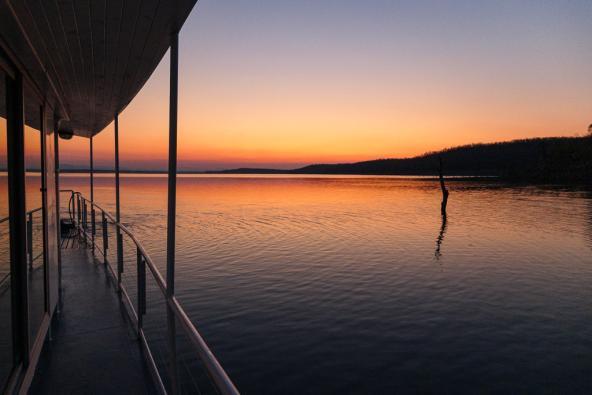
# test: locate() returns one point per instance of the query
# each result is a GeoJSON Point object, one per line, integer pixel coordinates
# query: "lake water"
{"type": "Point", "coordinates": [356, 285]}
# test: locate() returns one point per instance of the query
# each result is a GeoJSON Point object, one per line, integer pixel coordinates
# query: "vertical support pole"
{"type": "Point", "coordinates": [118, 207]}
{"type": "Point", "coordinates": [91, 163]}
{"type": "Point", "coordinates": [59, 233]}
{"type": "Point", "coordinates": [141, 288]}
{"type": "Point", "coordinates": [92, 196]}
{"type": "Point", "coordinates": [44, 224]}
{"type": "Point", "coordinates": [171, 208]}
{"type": "Point", "coordinates": [93, 226]}
{"type": "Point", "coordinates": [105, 237]}
{"type": "Point", "coordinates": [30, 239]}
{"type": "Point", "coordinates": [15, 139]}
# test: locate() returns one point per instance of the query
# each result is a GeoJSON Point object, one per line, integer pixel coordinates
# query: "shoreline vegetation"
{"type": "Point", "coordinates": [541, 160]}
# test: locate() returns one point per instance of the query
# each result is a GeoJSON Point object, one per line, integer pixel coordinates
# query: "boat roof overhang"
{"type": "Point", "coordinates": [88, 59]}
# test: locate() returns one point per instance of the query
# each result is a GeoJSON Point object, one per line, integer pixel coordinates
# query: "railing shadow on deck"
{"type": "Point", "coordinates": [87, 217]}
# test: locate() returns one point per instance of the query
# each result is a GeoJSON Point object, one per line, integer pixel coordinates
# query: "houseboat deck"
{"type": "Point", "coordinates": [96, 312]}
{"type": "Point", "coordinates": [93, 348]}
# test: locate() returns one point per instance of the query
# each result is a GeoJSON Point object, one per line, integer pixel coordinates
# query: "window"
{"type": "Point", "coordinates": [6, 358]}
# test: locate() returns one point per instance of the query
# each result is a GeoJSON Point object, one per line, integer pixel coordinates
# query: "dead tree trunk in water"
{"type": "Point", "coordinates": [444, 190]}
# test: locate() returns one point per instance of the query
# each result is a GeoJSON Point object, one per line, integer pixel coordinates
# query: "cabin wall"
{"type": "Point", "coordinates": [29, 232]}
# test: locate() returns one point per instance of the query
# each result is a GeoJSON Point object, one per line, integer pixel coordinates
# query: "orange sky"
{"type": "Point", "coordinates": [264, 92]}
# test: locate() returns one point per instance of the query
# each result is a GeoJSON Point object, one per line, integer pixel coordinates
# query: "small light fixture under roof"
{"type": "Point", "coordinates": [65, 132]}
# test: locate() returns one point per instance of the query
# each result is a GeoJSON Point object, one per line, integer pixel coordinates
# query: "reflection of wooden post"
{"type": "Point", "coordinates": [444, 190]}
{"type": "Point", "coordinates": [440, 238]}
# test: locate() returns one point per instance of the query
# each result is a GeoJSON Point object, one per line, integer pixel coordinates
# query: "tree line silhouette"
{"type": "Point", "coordinates": [553, 159]}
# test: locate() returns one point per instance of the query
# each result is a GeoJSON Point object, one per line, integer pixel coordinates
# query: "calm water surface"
{"type": "Point", "coordinates": [356, 285]}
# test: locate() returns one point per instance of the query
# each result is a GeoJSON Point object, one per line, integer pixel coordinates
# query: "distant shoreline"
{"type": "Point", "coordinates": [450, 177]}
{"type": "Point", "coordinates": [295, 175]}
{"type": "Point", "coordinates": [562, 160]}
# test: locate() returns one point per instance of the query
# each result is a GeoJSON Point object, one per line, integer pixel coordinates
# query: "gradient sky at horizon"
{"type": "Point", "coordinates": [280, 83]}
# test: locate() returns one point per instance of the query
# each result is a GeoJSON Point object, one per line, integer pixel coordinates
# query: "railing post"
{"type": "Point", "coordinates": [84, 222]}
{"type": "Point", "coordinates": [93, 226]}
{"type": "Point", "coordinates": [73, 202]}
{"type": "Point", "coordinates": [105, 237]}
{"type": "Point", "coordinates": [30, 239]}
{"type": "Point", "coordinates": [78, 213]}
{"type": "Point", "coordinates": [84, 216]}
{"type": "Point", "coordinates": [119, 258]}
{"type": "Point", "coordinates": [141, 288]}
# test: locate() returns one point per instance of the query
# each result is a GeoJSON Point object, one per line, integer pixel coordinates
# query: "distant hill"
{"type": "Point", "coordinates": [556, 159]}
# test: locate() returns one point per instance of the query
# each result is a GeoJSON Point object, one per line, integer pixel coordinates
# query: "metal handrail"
{"type": "Point", "coordinates": [31, 258]}
{"type": "Point", "coordinates": [27, 213]}
{"type": "Point", "coordinates": [222, 382]}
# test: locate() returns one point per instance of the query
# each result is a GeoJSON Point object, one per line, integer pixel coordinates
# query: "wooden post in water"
{"type": "Point", "coordinates": [443, 187]}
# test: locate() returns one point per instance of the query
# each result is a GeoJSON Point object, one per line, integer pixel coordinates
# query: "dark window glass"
{"type": "Point", "coordinates": [35, 257]}
{"type": "Point", "coordinates": [5, 295]}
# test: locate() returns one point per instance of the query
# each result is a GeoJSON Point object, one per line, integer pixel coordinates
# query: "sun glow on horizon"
{"type": "Point", "coordinates": [361, 82]}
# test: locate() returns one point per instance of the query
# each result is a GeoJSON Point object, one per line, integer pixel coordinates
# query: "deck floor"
{"type": "Point", "coordinates": [93, 349]}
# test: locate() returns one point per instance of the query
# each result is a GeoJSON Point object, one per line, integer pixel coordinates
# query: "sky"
{"type": "Point", "coordinates": [283, 83]}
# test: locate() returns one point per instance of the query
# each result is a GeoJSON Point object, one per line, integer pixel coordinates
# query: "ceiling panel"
{"type": "Point", "coordinates": [89, 57]}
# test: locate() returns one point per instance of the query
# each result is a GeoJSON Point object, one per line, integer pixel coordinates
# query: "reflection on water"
{"type": "Point", "coordinates": [440, 239]}
{"type": "Point", "coordinates": [327, 284]}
